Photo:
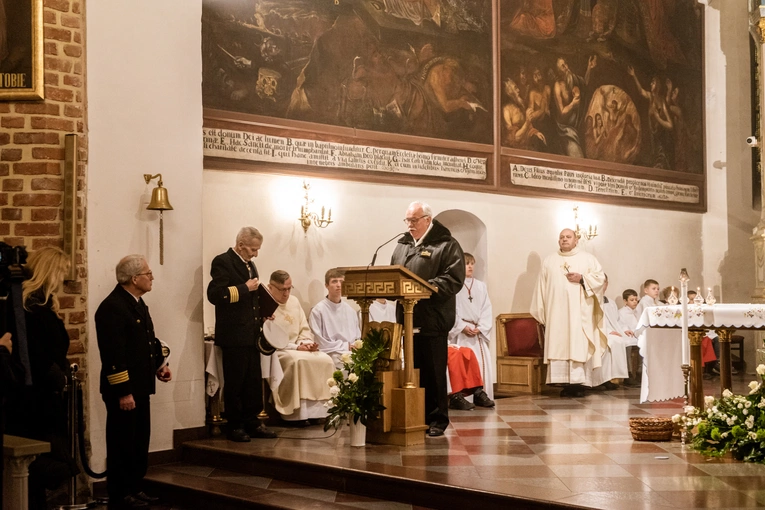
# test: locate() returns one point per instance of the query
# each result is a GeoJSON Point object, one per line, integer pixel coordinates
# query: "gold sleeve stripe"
{"type": "Point", "coordinates": [118, 378]}
{"type": "Point", "coordinates": [234, 292]}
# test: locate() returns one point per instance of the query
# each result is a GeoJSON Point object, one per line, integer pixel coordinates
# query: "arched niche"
{"type": "Point", "coordinates": [470, 231]}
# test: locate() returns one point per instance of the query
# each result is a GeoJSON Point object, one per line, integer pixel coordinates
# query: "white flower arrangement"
{"type": "Point", "coordinates": [733, 423]}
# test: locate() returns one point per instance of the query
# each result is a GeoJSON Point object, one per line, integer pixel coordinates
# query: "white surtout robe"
{"type": "Point", "coordinates": [614, 360]}
{"type": "Point", "coordinates": [335, 327]}
{"type": "Point", "coordinates": [572, 315]}
{"type": "Point", "coordinates": [298, 379]}
{"type": "Point", "coordinates": [382, 312]}
{"type": "Point", "coordinates": [476, 314]}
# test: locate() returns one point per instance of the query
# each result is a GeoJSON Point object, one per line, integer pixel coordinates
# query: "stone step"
{"type": "Point", "coordinates": [191, 486]}
{"type": "Point", "coordinates": [357, 477]}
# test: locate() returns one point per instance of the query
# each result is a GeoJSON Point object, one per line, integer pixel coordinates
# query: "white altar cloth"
{"type": "Point", "coordinates": [659, 341]}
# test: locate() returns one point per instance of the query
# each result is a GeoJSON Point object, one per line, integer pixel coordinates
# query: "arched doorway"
{"type": "Point", "coordinates": [470, 231]}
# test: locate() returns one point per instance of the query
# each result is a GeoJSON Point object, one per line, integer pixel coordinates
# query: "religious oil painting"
{"type": "Point", "coordinates": [412, 67]}
{"type": "Point", "coordinates": [21, 50]}
{"type": "Point", "coordinates": [614, 82]}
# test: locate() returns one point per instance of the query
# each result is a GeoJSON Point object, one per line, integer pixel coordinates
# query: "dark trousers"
{"type": "Point", "coordinates": [127, 446]}
{"type": "Point", "coordinates": [242, 390]}
{"type": "Point", "coordinates": [430, 355]}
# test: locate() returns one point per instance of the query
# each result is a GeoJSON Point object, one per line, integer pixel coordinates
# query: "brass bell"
{"type": "Point", "coordinates": [159, 200]}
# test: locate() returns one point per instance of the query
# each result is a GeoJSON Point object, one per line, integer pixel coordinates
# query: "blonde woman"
{"type": "Point", "coordinates": [43, 413]}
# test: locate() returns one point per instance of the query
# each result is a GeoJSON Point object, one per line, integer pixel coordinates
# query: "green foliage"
{"type": "Point", "coordinates": [355, 390]}
{"type": "Point", "coordinates": [732, 423]}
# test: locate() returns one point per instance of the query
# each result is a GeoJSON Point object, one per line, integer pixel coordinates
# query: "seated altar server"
{"type": "Point", "coordinates": [650, 297]}
{"type": "Point", "coordinates": [628, 313]}
{"type": "Point", "coordinates": [334, 323]}
{"type": "Point", "coordinates": [614, 359]}
{"type": "Point", "coordinates": [382, 310]}
{"type": "Point", "coordinates": [297, 372]}
{"type": "Point", "coordinates": [472, 329]}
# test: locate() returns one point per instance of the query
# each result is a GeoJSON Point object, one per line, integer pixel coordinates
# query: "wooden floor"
{"type": "Point", "coordinates": [539, 451]}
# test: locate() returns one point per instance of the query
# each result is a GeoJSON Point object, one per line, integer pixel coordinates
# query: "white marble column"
{"type": "Point", "coordinates": [18, 454]}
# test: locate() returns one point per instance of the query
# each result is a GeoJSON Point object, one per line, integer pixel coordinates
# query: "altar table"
{"type": "Point", "coordinates": [661, 349]}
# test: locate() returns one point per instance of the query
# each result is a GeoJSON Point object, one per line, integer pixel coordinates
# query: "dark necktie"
{"type": "Point", "coordinates": [250, 269]}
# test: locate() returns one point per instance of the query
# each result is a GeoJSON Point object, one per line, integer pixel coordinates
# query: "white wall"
{"type": "Point", "coordinates": [144, 114]}
{"type": "Point", "coordinates": [144, 74]}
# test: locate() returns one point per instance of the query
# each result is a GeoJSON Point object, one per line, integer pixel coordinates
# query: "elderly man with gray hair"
{"type": "Point", "coordinates": [131, 357]}
{"type": "Point", "coordinates": [430, 252]}
{"type": "Point", "coordinates": [238, 334]}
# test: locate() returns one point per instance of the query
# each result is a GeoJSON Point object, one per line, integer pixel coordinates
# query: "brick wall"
{"type": "Point", "coordinates": [32, 158]}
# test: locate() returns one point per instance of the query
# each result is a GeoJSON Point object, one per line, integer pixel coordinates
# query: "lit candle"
{"type": "Point", "coordinates": [329, 216]}
{"type": "Point", "coordinates": [322, 212]}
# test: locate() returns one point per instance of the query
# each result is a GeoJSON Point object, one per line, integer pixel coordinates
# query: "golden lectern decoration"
{"type": "Point", "coordinates": [403, 421]}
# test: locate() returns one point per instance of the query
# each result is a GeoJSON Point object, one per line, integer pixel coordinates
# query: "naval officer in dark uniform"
{"type": "Point", "coordinates": [131, 357]}
{"type": "Point", "coordinates": [238, 333]}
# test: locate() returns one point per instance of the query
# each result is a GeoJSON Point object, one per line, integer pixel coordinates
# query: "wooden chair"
{"type": "Point", "coordinates": [520, 344]}
{"type": "Point", "coordinates": [737, 344]}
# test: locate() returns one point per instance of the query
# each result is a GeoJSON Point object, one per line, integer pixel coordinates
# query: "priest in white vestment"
{"type": "Point", "coordinates": [335, 325]}
{"type": "Point", "coordinates": [614, 360]}
{"type": "Point", "coordinates": [297, 373]}
{"type": "Point", "coordinates": [472, 329]}
{"type": "Point", "coordinates": [568, 301]}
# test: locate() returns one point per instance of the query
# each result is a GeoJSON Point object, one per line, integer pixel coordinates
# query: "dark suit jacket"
{"type": "Point", "coordinates": [130, 352]}
{"type": "Point", "coordinates": [237, 322]}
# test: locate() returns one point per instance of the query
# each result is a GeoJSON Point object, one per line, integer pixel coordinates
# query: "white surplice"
{"type": "Point", "coordinates": [614, 359]}
{"type": "Point", "coordinates": [298, 379]}
{"type": "Point", "coordinates": [477, 314]}
{"type": "Point", "coordinates": [572, 315]}
{"type": "Point", "coordinates": [335, 327]}
{"type": "Point", "coordinates": [644, 303]}
{"type": "Point", "coordinates": [629, 319]}
{"type": "Point", "coordinates": [382, 312]}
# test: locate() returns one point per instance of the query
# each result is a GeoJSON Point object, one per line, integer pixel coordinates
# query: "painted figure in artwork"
{"type": "Point", "coordinates": [659, 121]}
{"type": "Point", "coordinates": [569, 110]}
{"type": "Point", "coordinates": [519, 131]}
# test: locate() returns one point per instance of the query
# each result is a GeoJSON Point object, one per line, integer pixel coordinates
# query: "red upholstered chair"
{"type": "Point", "coordinates": [520, 347]}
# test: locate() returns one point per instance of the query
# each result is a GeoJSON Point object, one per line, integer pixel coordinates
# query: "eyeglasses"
{"type": "Point", "coordinates": [282, 289]}
{"type": "Point", "coordinates": [412, 221]}
{"type": "Point", "coordinates": [149, 274]}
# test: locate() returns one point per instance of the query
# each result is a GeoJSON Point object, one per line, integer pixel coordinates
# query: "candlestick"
{"type": "Point", "coordinates": [686, 346]}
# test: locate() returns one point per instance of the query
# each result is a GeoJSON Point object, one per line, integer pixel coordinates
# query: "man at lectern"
{"type": "Point", "coordinates": [430, 252]}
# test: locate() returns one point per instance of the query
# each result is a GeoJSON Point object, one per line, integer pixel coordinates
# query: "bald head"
{"type": "Point", "coordinates": [567, 240]}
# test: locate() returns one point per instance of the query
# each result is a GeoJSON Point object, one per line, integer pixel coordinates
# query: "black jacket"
{"type": "Point", "coordinates": [130, 352]}
{"type": "Point", "coordinates": [237, 322]}
{"type": "Point", "coordinates": [438, 260]}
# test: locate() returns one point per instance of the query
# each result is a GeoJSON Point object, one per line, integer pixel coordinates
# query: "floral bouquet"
{"type": "Point", "coordinates": [355, 391]}
{"type": "Point", "coordinates": [733, 423]}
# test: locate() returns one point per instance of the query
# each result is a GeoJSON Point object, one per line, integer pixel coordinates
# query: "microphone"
{"type": "Point", "coordinates": [374, 257]}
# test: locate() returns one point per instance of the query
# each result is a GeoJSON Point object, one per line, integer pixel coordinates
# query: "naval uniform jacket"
{"type": "Point", "coordinates": [130, 353]}
{"type": "Point", "coordinates": [237, 317]}
{"type": "Point", "coordinates": [439, 260]}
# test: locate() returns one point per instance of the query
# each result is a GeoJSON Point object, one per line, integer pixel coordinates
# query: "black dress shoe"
{"type": "Point", "coordinates": [609, 386]}
{"type": "Point", "coordinates": [457, 401]}
{"type": "Point", "coordinates": [435, 431]}
{"type": "Point", "coordinates": [238, 436]}
{"type": "Point", "coordinates": [128, 502]}
{"type": "Point", "coordinates": [481, 399]}
{"type": "Point", "coordinates": [261, 433]}
{"type": "Point", "coordinates": [145, 497]}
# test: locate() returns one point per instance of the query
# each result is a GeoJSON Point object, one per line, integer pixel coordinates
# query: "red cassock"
{"type": "Point", "coordinates": [464, 372]}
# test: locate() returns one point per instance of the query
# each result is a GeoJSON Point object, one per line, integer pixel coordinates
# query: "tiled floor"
{"type": "Point", "coordinates": [575, 451]}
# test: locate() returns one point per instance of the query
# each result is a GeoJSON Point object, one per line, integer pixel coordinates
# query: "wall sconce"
{"type": "Point", "coordinates": [308, 218]}
{"type": "Point", "coordinates": [591, 231]}
{"type": "Point", "coordinates": [159, 202]}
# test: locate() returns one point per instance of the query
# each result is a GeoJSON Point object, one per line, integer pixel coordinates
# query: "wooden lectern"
{"type": "Point", "coordinates": [403, 421]}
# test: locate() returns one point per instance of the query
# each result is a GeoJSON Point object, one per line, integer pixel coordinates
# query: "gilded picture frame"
{"type": "Point", "coordinates": [21, 50]}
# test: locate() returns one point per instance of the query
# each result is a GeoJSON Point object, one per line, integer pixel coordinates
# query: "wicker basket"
{"type": "Point", "coordinates": [651, 429]}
